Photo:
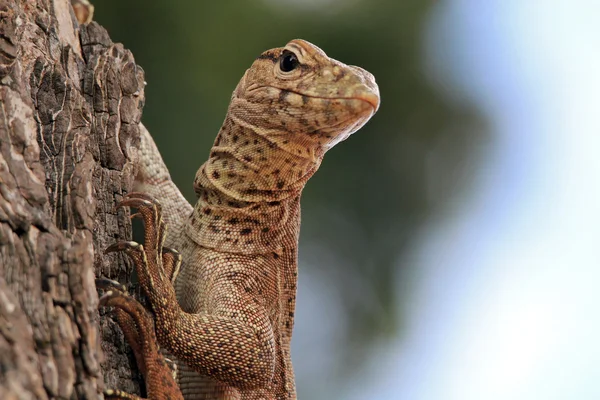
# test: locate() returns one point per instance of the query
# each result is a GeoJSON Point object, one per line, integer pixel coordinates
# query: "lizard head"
{"type": "Point", "coordinates": [303, 101]}
{"type": "Point", "coordinates": [292, 105]}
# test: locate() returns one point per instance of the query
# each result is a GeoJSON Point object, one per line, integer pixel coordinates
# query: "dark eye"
{"type": "Point", "coordinates": [288, 61]}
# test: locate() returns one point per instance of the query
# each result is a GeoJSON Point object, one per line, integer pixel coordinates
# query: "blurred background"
{"type": "Point", "coordinates": [451, 248]}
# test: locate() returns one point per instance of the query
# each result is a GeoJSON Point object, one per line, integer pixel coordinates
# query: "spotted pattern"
{"type": "Point", "coordinates": [228, 319]}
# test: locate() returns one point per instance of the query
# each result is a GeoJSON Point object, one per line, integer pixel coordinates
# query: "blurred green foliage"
{"type": "Point", "coordinates": [375, 191]}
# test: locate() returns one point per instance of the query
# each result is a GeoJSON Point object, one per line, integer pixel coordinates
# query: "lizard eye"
{"type": "Point", "coordinates": [288, 61]}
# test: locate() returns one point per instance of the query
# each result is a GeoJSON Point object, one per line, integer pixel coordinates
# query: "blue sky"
{"type": "Point", "coordinates": [506, 304]}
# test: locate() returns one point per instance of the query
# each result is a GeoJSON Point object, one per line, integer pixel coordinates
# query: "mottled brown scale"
{"type": "Point", "coordinates": [139, 333]}
{"type": "Point", "coordinates": [228, 319]}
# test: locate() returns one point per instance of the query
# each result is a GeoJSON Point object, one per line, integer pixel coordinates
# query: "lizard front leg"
{"type": "Point", "coordinates": [139, 332]}
{"type": "Point", "coordinates": [233, 342]}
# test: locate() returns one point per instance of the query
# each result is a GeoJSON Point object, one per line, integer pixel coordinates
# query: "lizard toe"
{"type": "Point", "coordinates": [126, 246]}
{"type": "Point", "coordinates": [171, 263]}
{"type": "Point", "coordinates": [143, 196]}
{"type": "Point", "coordinates": [109, 284]}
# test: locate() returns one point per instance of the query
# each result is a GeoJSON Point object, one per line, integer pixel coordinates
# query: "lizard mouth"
{"type": "Point", "coordinates": [364, 95]}
{"type": "Point", "coordinates": [369, 97]}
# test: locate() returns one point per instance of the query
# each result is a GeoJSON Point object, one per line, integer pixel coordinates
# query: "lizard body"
{"type": "Point", "coordinates": [228, 318]}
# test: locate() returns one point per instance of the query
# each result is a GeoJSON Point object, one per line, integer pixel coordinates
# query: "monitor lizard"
{"type": "Point", "coordinates": [226, 312]}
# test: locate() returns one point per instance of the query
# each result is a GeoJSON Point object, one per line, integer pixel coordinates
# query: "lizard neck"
{"type": "Point", "coordinates": [249, 190]}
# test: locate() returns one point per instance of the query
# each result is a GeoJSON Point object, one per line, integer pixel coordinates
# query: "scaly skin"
{"type": "Point", "coordinates": [229, 317]}
{"type": "Point", "coordinates": [139, 333]}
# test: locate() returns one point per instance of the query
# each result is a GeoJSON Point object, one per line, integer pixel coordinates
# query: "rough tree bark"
{"type": "Point", "coordinates": [70, 107]}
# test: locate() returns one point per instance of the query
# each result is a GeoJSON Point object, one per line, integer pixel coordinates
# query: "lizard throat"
{"type": "Point", "coordinates": [248, 194]}
{"type": "Point", "coordinates": [249, 165]}
{"type": "Point", "coordinates": [228, 225]}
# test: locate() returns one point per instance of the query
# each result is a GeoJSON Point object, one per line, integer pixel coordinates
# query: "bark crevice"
{"type": "Point", "coordinates": [70, 107]}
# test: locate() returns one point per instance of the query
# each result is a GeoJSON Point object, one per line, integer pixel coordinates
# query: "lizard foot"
{"type": "Point", "coordinates": [149, 209]}
{"type": "Point", "coordinates": [124, 319]}
{"type": "Point", "coordinates": [138, 329]}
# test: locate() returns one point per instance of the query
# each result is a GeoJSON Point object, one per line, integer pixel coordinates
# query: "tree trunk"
{"type": "Point", "coordinates": [70, 107]}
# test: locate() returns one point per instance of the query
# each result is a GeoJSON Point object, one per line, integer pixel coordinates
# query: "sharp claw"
{"type": "Point", "coordinates": [133, 202]}
{"type": "Point", "coordinates": [135, 215]}
{"type": "Point", "coordinates": [108, 284]}
{"type": "Point", "coordinates": [111, 294]}
{"type": "Point", "coordinates": [121, 246]}
{"type": "Point", "coordinates": [143, 199]}
{"type": "Point", "coordinates": [172, 251]}
{"type": "Point", "coordinates": [115, 393]}
{"type": "Point", "coordinates": [141, 195]}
